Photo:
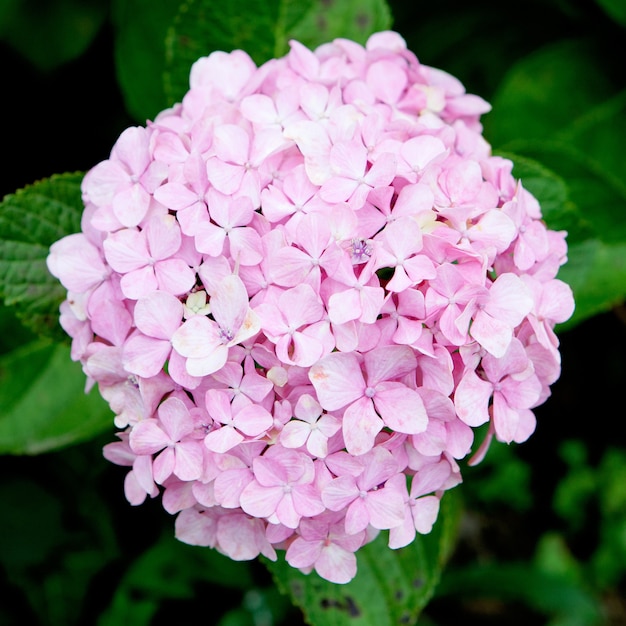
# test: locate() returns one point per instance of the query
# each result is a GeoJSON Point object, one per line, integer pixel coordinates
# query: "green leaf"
{"type": "Point", "coordinates": [31, 220]}
{"type": "Point", "coordinates": [170, 569]}
{"type": "Point", "coordinates": [12, 332]}
{"type": "Point", "coordinates": [43, 401]}
{"type": "Point", "coordinates": [391, 586]}
{"type": "Point", "coordinates": [546, 93]}
{"type": "Point", "coordinates": [349, 19]}
{"type": "Point", "coordinates": [615, 9]}
{"type": "Point", "coordinates": [140, 30]}
{"type": "Point", "coordinates": [50, 33]}
{"type": "Point", "coordinates": [203, 26]}
{"type": "Point", "coordinates": [552, 594]}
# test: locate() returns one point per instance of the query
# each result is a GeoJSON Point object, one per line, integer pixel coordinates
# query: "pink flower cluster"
{"type": "Point", "coordinates": [300, 290]}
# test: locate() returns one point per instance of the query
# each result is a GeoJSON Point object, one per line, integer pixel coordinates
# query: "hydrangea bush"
{"type": "Point", "coordinates": [301, 290]}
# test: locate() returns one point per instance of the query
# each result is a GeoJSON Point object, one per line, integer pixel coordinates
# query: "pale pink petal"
{"type": "Point", "coordinates": [229, 303]}
{"type": "Point", "coordinates": [505, 419]}
{"type": "Point", "coordinates": [389, 362]}
{"type": "Point", "coordinates": [360, 426]}
{"type": "Point", "coordinates": [229, 484]}
{"type": "Point", "coordinates": [130, 206]}
{"type": "Point", "coordinates": [492, 333]}
{"type": "Point", "coordinates": [126, 250]}
{"type": "Point", "coordinates": [189, 459]}
{"type": "Point", "coordinates": [471, 399]}
{"type": "Point", "coordinates": [337, 379]}
{"type": "Point", "coordinates": [145, 356]}
{"type": "Point", "coordinates": [294, 434]}
{"type": "Point", "coordinates": [139, 283]}
{"type": "Point", "coordinates": [196, 528]}
{"type": "Point", "coordinates": [260, 501]}
{"type": "Point", "coordinates": [303, 554]}
{"type": "Point", "coordinates": [357, 516]}
{"type": "Point", "coordinates": [336, 564]}
{"type": "Point", "coordinates": [401, 408]}
{"type": "Point", "coordinates": [197, 337]}
{"type": "Point", "coordinates": [163, 465]}
{"type": "Point", "coordinates": [223, 439]}
{"type": "Point", "coordinates": [253, 420]}
{"type": "Point", "coordinates": [147, 437]}
{"type": "Point", "coordinates": [339, 492]}
{"type": "Point", "coordinates": [385, 507]}
{"type": "Point", "coordinates": [158, 315]}
{"type": "Point", "coordinates": [77, 263]}
{"type": "Point", "coordinates": [425, 512]}
{"type": "Point", "coordinates": [174, 276]}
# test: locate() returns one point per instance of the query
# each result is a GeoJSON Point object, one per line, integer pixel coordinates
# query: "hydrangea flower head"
{"type": "Point", "coordinates": [301, 290]}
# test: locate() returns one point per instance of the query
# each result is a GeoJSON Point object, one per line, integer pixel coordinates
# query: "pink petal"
{"type": "Point", "coordinates": [139, 283]}
{"type": "Point", "coordinates": [389, 362]}
{"type": "Point", "coordinates": [223, 439]}
{"type": "Point", "coordinates": [163, 235]}
{"type": "Point", "coordinates": [360, 426]}
{"type": "Point", "coordinates": [385, 508]}
{"type": "Point", "coordinates": [337, 379]}
{"type": "Point", "coordinates": [126, 250]}
{"type": "Point", "coordinates": [339, 493]}
{"type": "Point", "coordinates": [229, 303]}
{"type": "Point", "coordinates": [77, 263]}
{"type": "Point", "coordinates": [174, 276]}
{"type": "Point", "coordinates": [197, 337]}
{"type": "Point", "coordinates": [510, 299]}
{"type": "Point", "coordinates": [345, 306]}
{"type": "Point", "coordinates": [163, 465]}
{"type": "Point", "coordinates": [229, 485]}
{"type": "Point", "coordinates": [336, 564]}
{"type": "Point", "coordinates": [203, 366]}
{"type": "Point", "coordinates": [131, 205]}
{"type": "Point", "coordinates": [145, 356]}
{"type": "Point", "coordinates": [357, 516]}
{"type": "Point", "coordinates": [147, 437]}
{"type": "Point", "coordinates": [253, 420]}
{"type": "Point", "coordinates": [491, 333]}
{"type": "Point", "coordinates": [505, 419]}
{"type": "Point", "coordinates": [471, 399]}
{"type": "Point", "coordinates": [175, 418]}
{"type": "Point", "coordinates": [260, 501]}
{"type": "Point", "coordinates": [401, 408]}
{"type": "Point", "coordinates": [189, 460]}
{"type": "Point", "coordinates": [158, 315]}
{"type": "Point", "coordinates": [175, 196]}
{"type": "Point", "coordinates": [425, 512]}
{"type": "Point", "coordinates": [301, 553]}
{"type": "Point", "coordinates": [294, 434]}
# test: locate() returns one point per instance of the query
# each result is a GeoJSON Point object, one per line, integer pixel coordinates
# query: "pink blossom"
{"type": "Point", "coordinates": [373, 497]}
{"type": "Point", "coordinates": [312, 427]}
{"type": "Point", "coordinates": [250, 420]}
{"type": "Point", "coordinates": [325, 546]}
{"type": "Point", "coordinates": [144, 258]}
{"type": "Point", "coordinates": [204, 342]}
{"type": "Point", "coordinates": [283, 488]}
{"type": "Point", "coordinates": [351, 180]}
{"type": "Point", "coordinates": [169, 436]}
{"type": "Point", "coordinates": [290, 325]}
{"type": "Point", "coordinates": [512, 383]}
{"type": "Point", "coordinates": [372, 401]}
{"type": "Point", "coordinates": [300, 290]}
